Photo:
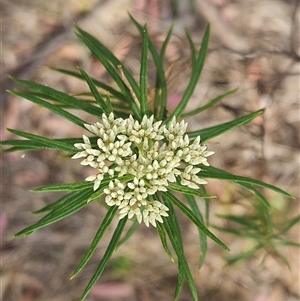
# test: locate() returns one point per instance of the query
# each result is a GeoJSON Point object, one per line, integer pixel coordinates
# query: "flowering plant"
{"type": "Point", "coordinates": [140, 157]}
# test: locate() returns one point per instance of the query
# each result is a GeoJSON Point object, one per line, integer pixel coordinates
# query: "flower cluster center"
{"type": "Point", "coordinates": [154, 154]}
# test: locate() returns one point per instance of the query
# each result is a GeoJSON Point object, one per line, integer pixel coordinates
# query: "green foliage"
{"type": "Point", "coordinates": [263, 228]}
{"type": "Point", "coordinates": [132, 97]}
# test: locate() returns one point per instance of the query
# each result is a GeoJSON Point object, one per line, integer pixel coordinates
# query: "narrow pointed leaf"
{"type": "Point", "coordinates": [209, 104]}
{"type": "Point", "coordinates": [288, 243]}
{"type": "Point", "coordinates": [55, 109]}
{"type": "Point", "coordinates": [183, 265]}
{"type": "Point", "coordinates": [257, 194]}
{"type": "Point", "coordinates": [242, 220]}
{"type": "Point", "coordinates": [50, 143]}
{"type": "Point", "coordinates": [160, 100]}
{"type": "Point", "coordinates": [192, 46]}
{"type": "Point", "coordinates": [189, 191]}
{"type": "Point", "coordinates": [165, 43]}
{"type": "Point", "coordinates": [64, 187]}
{"type": "Point", "coordinates": [20, 149]}
{"type": "Point", "coordinates": [108, 253]}
{"type": "Point", "coordinates": [216, 173]}
{"type": "Point", "coordinates": [180, 281]}
{"type": "Point", "coordinates": [144, 74]}
{"type": "Point", "coordinates": [214, 131]}
{"type": "Point", "coordinates": [22, 143]}
{"type": "Point", "coordinates": [234, 259]}
{"type": "Point", "coordinates": [161, 232]}
{"type": "Point", "coordinates": [111, 64]}
{"type": "Point", "coordinates": [194, 219]}
{"type": "Point", "coordinates": [290, 224]}
{"type": "Point", "coordinates": [174, 233]}
{"type": "Point", "coordinates": [109, 216]}
{"type": "Point", "coordinates": [99, 99]}
{"type": "Point", "coordinates": [99, 84]}
{"type": "Point", "coordinates": [100, 51]}
{"type": "Point", "coordinates": [280, 256]}
{"type": "Point", "coordinates": [196, 72]}
{"type": "Point", "coordinates": [63, 200]}
{"type": "Point", "coordinates": [203, 238]}
{"type": "Point", "coordinates": [60, 96]}
{"type": "Point", "coordinates": [59, 213]}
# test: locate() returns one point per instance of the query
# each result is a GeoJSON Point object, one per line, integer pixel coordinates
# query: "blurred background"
{"type": "Point", "coordinates": [254, 47]}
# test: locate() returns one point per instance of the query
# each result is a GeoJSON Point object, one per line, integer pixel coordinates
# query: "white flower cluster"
{"type": "Point", "coordinates": [154, 154]}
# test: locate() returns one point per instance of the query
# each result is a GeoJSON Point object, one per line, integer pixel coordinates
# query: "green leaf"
{"type": "Point", "coordinates": [209, 104]}
{"type": "Point", "coordinates": [203, 238]}
{"type": "Point", "coordinates": [257, 194]}
{"type": "Point", "coordinates": [109, 216]}
{"type": "Point", "coordinates": [99, 99]}
{"type": "Point", "coordinates": [20, 149]}
{"type": "Point", "coordinates": [144, 74]}
{"type": "Point", "coordinates": [60, 96]}
{"type": "Point", "coordinates": [60, 202]}
{"type": "Point", "coordinates": [59, 213]}
{"type": "Point", "coordinates": [100, 51]}
{"type": "Point", "coordinates": [64, 187]}
{"type": "Point", "coordinates": [234, 259]}
{"type": "Point", "coordinates": [196, 72]}
{"type": "Point", "coordinates": [214, 131]}
{"type": "Point", "coordinates": [242, 220]}
{"type": "Point", "coordinates": [160, 100]}
{"type": "Point", "coordinates": [216, 173]}
{"type": "Point", "coordinates": [108, 253]}
{"type": "Point", "coordinates": [194, 219]}
{"type": "Point", "coordinates": [192, 46]}
{"type": "Point", "coordinates": [165, 43]}
{"type": "Point", "coordinates": [55, 109]}
{"type": "Point", "coordinates": [161, 232]}
{"type": "Point", "coordinates": [23, 143]}
{"type": "Point", "coordinates": [176, 232]}
{"type": "Point", "coordinates": [33, 145]}
{"type": "Point", "coordinates": [290, 224]}
{"type": "Point", "coordinates": [283, 259]}
{"type": "Point", "coordinates": [99, 84]}
{"type": "Point", "coordinates": [184, 270]}
{"type": "Point", "coordinates": [110, 63]}
{"type": "Point", "coordinates": [240, 232]}
{"type": "Point", "coordinates": [189, 191]}
{"type": "Point", "coordinates": [285, 242]}
{"type": "Point", "coordinates": [49, 143]}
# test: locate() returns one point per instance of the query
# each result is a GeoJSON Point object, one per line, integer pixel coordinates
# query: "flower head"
{"type": "Point", "coordinates": [154, 154]}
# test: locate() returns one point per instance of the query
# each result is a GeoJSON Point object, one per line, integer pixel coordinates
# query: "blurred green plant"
{"type": "Point", "coordinates": [264, 229]}
{"type": "Point", "coordinates": [143, 156]}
